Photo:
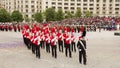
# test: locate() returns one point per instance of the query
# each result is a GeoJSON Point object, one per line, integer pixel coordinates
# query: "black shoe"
{"type": "Point", "coordinates": [85, 64]}
{"type": "Point", "coordinates": [55, 57]}
{"type": "Point", "coordinates": [38, 57]}
{"type": "Point", "coordinates": [70, 56]}
{"type": "Point", "coordinates": [80, 63]}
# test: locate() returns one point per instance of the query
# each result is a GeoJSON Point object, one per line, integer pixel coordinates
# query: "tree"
{"type": "Point", "coordinates": [78, 13]}
{"type": "Point", "coordinates": [27, 19]}
{"type": "Point", "coordinates": [38, 17]}
{"type": "Point", "coordinates": [68, 15]}
{"type": "Point", "coordinates": [50, 14]}
{"type": "Point", "coordinates": [88, 14]}
{"type": "Point", "coordinates": [17, 16]}
{"type": "Point", "coordinates": [4, 16]}
{"type": "Point", "coordinates": [59, 15]}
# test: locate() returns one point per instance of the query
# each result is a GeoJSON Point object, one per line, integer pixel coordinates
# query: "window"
{"type": "Point", "coordinates": [91, 8]}
{"type": "Point", "coordinates": [98, 0]}
{"type": "Point", "coordinates": [66, 0]}
{"type": "Point", "coordinates": [72, 8]}
{"type": "Point", "coordinates": [103, 8]}
{"type": "Point", "coordinates": [85, 8]}
{"type": "Point", "coordinates": [110, 12]}
{"type": "Point", "coordinates": [85, 4]}
{"type": "Point", "coordinates": [85, 0]}
{"type": "Point", "coordinates": [97, 8]}
{"type": "Point", "coordinates": [78, 4]}
{"type": "Point", "coordinates": [97, 12]}
{"type": "Point", "coordinates": [9, 3]}
{"type": "Point", "coordinates": [78, 0]}
{"type": "Point", "coordinates": [26, 1]}
{"type": "Point", "coordinates": [21, 9]}
{"type": "Point", "coordinates": [97, 4]}
{"type": "Point", "coordinates": [91, 4]}
{"type": "Point", "coordinates": [110, 8]}
{"type": "Point", "coordinates": [91, 0]}
{"type": "Point", "coordinates": [59, 3]}
{"type": "Point", "coordinates": [21, 6]}
{"type": "Point", "coordinates": [32, 15]}
{"type": "Point", "coordinates": [117, 0]}
{"type": "Point", "coordinates": [32, 1]}
{"type": "Point", "coordinates": [91, 12]}
{"type": "Point", "coordinates": [116, 8]}
{"type": "Point", "coordinates": [103, 12]}
{"type": "Point", "coordinates": [65, 7]}
{"type": "Point", "coordinates": [53, 7]}
{"type": "Point", "coordinates": [26, 10]}
{"type": "Point", "coordinates": [111, 0]}
{"type": "Point", "coordinates": [116, 4]}
{"type": "Point", "coordinates": [72, 12]}
{"type": "Point", "coordinates": [18, 6]}
{"type": "Point", "coordinates": [26, 6]}
{"type": "Point", "coordinates": [72, 3]}
{"type": "Point", "coordinates": [26, 15]}
{"type": "Point", "coordinates": [110, 4]}
{"type": "Point", "coordinates": [9, 7]}
{"type": "Point", "coordinates": [104, 0]}
{"type": "Point", "coordinates": [33, 10]}
{"type": "Point", "coordinates": [72, 0]}
{"type": "Point", "coordinates": [21, 1]}
{"type": "Point", "coordinates": [32, 6]}
{"type": "Point", "coordinates": [65, 3]}
{"type": "Point", "coordinates": [53, 3]}
{"type": "Point", "coordinates": [116, 12]}
{"type": "Point", "coordinates": [65, 11]}
{"type": "Point", "coordinates": [84, 12]}
{"type": "Point", "coordinates": [103, 4]}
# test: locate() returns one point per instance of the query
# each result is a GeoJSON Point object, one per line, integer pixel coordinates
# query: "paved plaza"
{"type": "Point", "coordinates": [103, 51]}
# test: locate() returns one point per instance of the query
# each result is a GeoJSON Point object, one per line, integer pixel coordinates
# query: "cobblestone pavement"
{"type": "Point", "coordinates": [103, 51]}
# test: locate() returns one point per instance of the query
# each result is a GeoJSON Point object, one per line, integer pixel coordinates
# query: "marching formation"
{"type": "Point", "coordinates": [55, 37]}
{"type": "Point", "coordinates": [10, 27]}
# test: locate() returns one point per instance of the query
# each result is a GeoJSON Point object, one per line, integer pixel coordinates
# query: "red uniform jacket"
{"type": "Point", "coordinates": [59, 36]}
{"type": "Point", "coordinates": [53, 41]}
{"type": "Point", "coordinates": [47, 39]}
{"type": "Point", "coordinates": [36, 41]}
{"type": "Point", "coordinates": [67, 39]}
{"type": "Point", "coordinates": [72, 38]}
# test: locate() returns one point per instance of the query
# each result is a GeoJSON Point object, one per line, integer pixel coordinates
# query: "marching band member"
{"type": "Point", "coordinates": [54, 45]}
{"type": "Point", "coordinates": [82, 46]}
{"type": "Point", "coordinates": [68, 42]}
{"type": "Point", "coordinates": [60, 40]}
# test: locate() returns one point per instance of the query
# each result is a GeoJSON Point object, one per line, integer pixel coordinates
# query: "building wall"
{"type": "Point", "coordinates": [27, 7]}
{"type": "Point", "coordinates": [97, 7]}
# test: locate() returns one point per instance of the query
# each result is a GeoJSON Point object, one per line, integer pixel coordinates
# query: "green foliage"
{"type": "Point", "coordinates": [4, 16]}
{"type": "Point", "coordinates": [38, 17]}
{"type": "Point", "coordinates": [17, 16]}
{"type": "Point", "coordinates": [27, 19]}
{"type": "Point", "coordinates": [59, 15]}
{"type": "Point", "coordinates": [50, 14]}
{"type": "Point", "coordinates": [88, 14]}
{"type": "Point", "coordinates": [78, 13]}
{"type": "Point", "coordinates": [69, 15]}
